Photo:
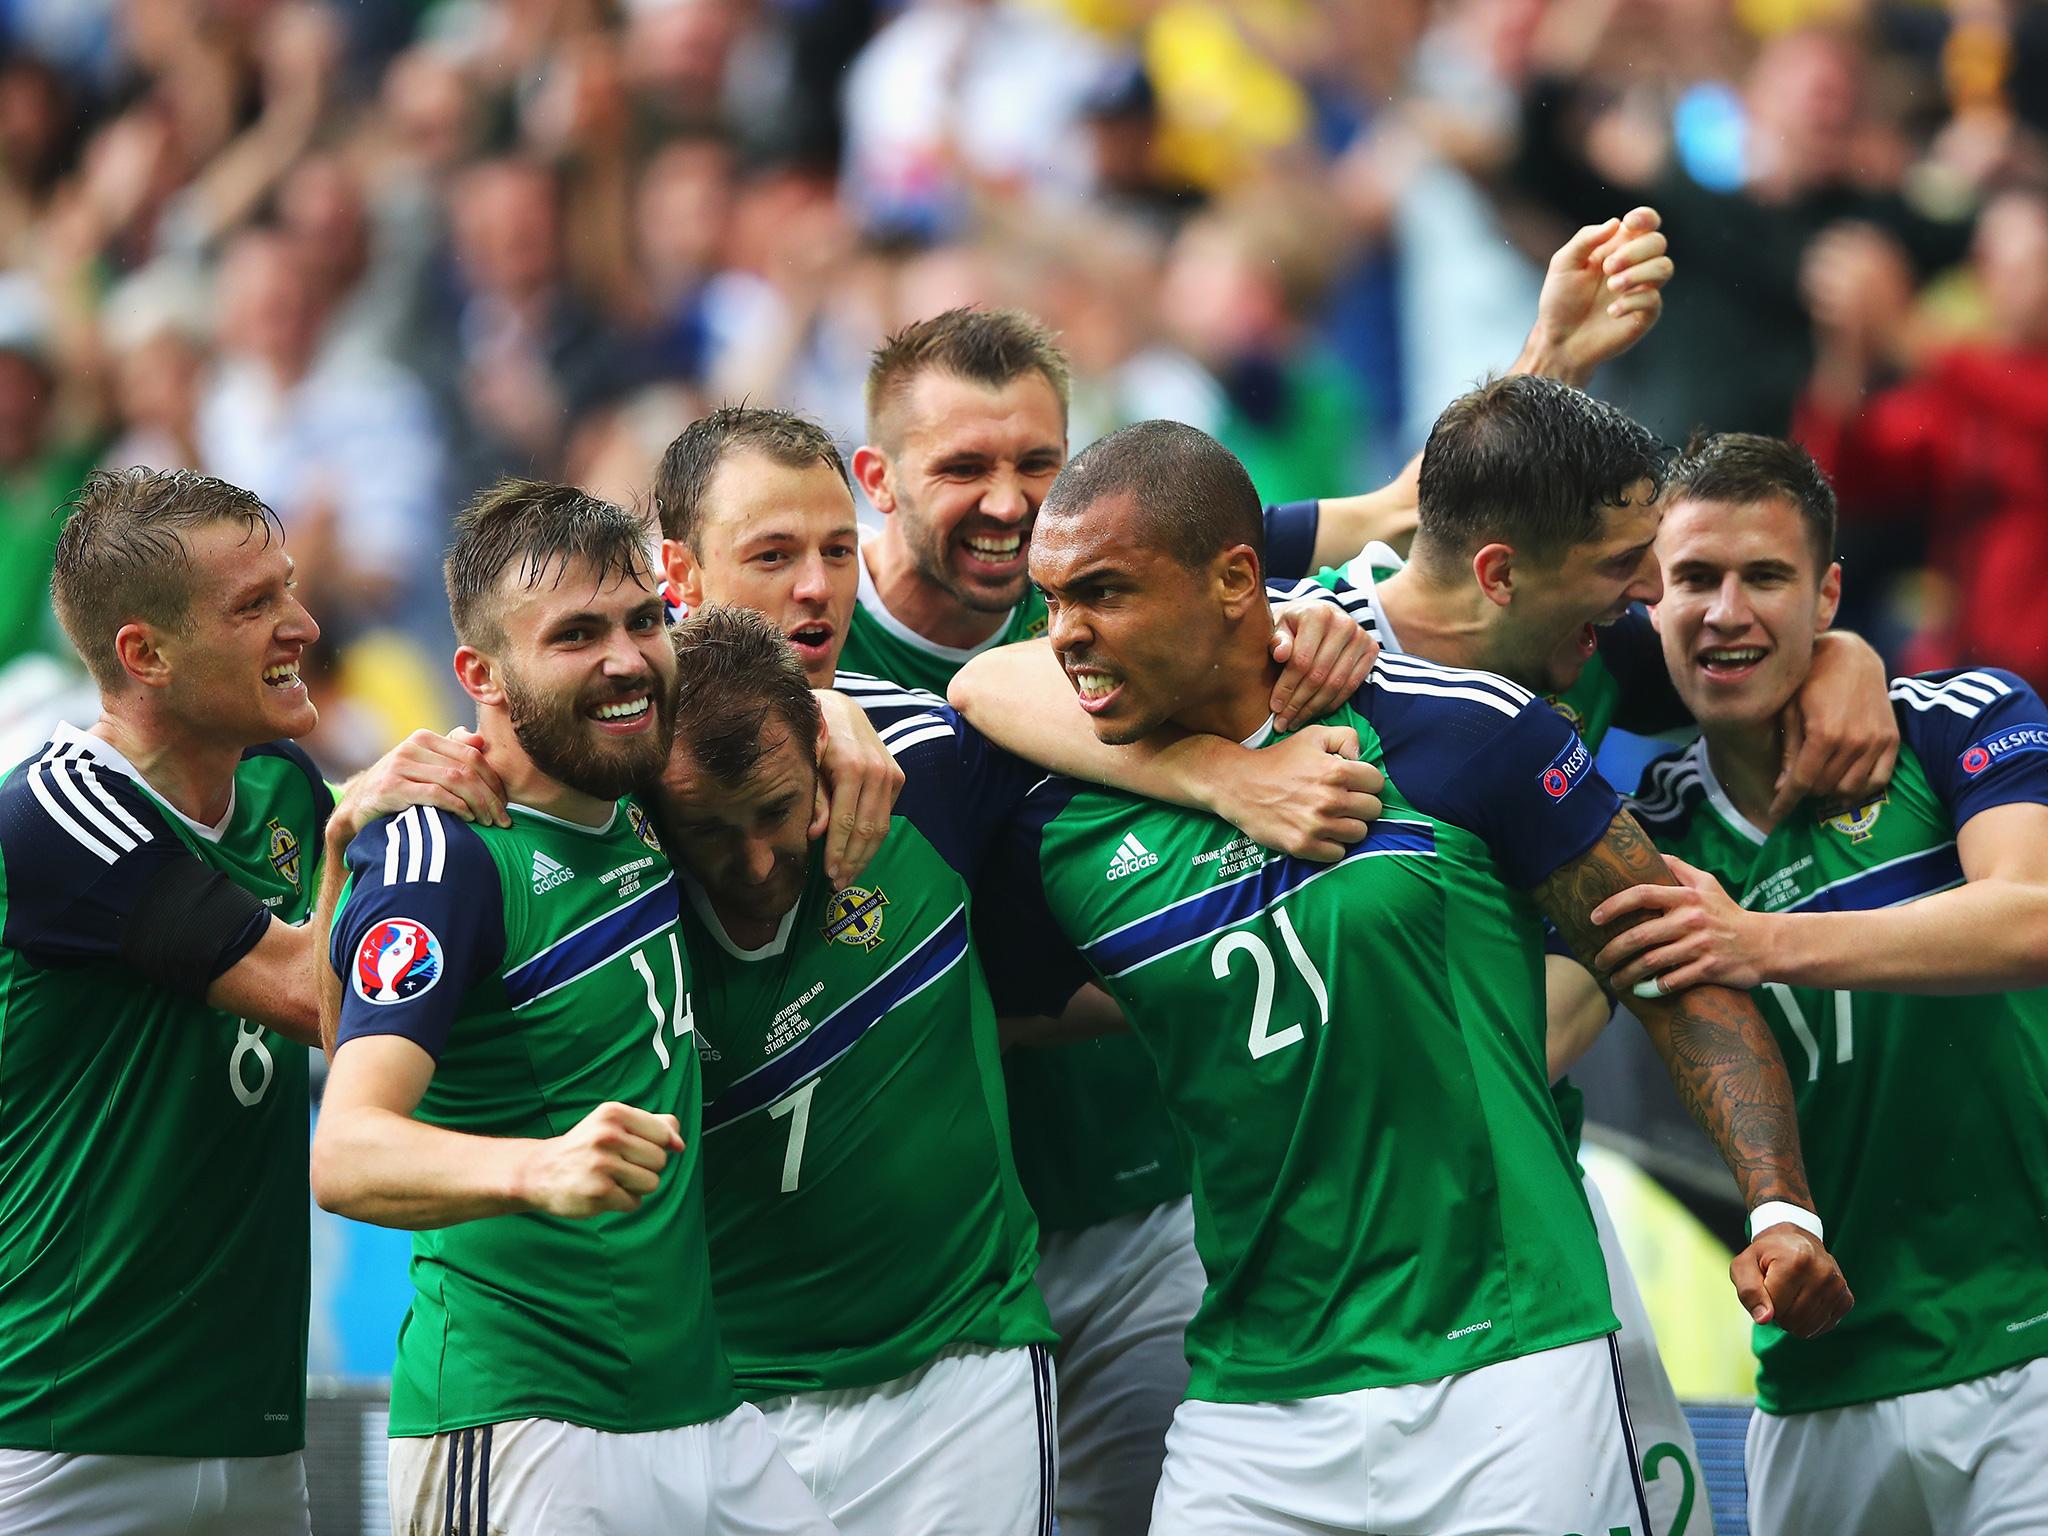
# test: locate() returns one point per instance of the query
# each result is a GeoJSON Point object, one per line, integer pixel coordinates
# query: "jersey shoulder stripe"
{"type": "Point", "coordinates": [1194, 918]}
{"type": "Point", "coordinates": [583, 950]}
{"type": "Point", "coordinates": [415, 846]}
{"type": "Point", "coordinates": [1402, 664]}
{"type": "Point", "coordinates": [1670, 788]}
{"type": "Point", "coordinates": [842, 1029]}
{"type": "Point", "coordinates": [1964, 693]}
{"type": "Point", "coordinates": [1404, 675]}
{"type": "Point", "coordinates": [926, 725]}
{"type": "Point", "coordinates": [66, 783]}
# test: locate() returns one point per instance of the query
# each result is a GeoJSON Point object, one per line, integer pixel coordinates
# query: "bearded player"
{"type": "Point", "coordinates": [520, 1087]}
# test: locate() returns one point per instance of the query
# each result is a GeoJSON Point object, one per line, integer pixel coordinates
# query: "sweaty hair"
{"type": "Point", "coordinates": [542, 529]}
{"type": "Point", "coordinates": [1192, 497]}
{"type": "Point", "coordinates": [1530, 462]}
{"type": "Point", "coordinates": [984, 346]}
{"type": "Point", "coordinates": [122, 557]}
{"type": "Point", "coordinates": [1742, 467]}
{"type": "Point", "coordinates": [782, 437]}
{"type": "Point", "coordinates": [735, 675]}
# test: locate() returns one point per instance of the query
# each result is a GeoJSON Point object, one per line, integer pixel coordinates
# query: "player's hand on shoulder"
{"type": "Point", "coordinates": [609, 1161]}
{"type": "Point", "coordinates": [1687, 935]}
{"type": "Point", "coordinates": [1324, 657]}
{"type": "Point", "coordinates": [860, 782]}
{"type": "Point", "coordinates": [1787, 1277]}
{"type": "Point", "coordinates": [1309, 796]}
{"type": "Point", "coordinates": [1841, 734]}
{"type": "Point", "coordinates": [447, 772]}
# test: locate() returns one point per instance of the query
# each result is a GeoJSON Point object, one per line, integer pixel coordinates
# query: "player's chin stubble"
{"type": "Point", "coordinates": [568, 747]}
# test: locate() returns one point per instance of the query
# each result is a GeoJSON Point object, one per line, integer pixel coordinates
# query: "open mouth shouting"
{"type": "Point", "coordinates": [1096, 689]}
{"type": "Point", "coordinates": [997, 555]}
{"type": "Point", "coordinates": [813, 641]}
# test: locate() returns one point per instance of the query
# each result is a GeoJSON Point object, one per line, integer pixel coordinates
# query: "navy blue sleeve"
{"type": "Point", "coordinates": [1982, 736]}
{"type": "Point", "coordinates": [96, 876]}
{"type": "Point", "coordinates": [1633, 653]}
{"type": "Point", "coordinates": [959, 788]}
{"type": "Point", "coordinates": [1031, 966]}
{"type": "Point", "coordinates": [1475, 750]}
{"type": "Point", "coordinates": [883, 702]}
{"type": "Point", "coordinates": [1291, 537]}
{"type": "Point", "coordinates": [423, 921]}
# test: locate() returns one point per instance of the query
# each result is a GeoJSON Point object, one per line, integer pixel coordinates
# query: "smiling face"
{"type": "Point", "coordinates": [781, 541]}
{"type": "Point", "coordinates": [584, 668]}
{"type": "Point", "coordinates": [234, 661]}
{"type": "Point", "coordinates": [1743, 603]}
{"type": "Point", "coordinates": [964, 482]}
{"type": "Point", "coordinates": [1560, 604]}
{"type": "Point", "coordinates": [748, 844]}
{"type": "Point", "coordinates": [1140, 635]}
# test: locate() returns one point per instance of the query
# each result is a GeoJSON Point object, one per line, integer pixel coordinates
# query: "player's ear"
{"type": "Point", "coordinates": [1830, 596]}
{"type": "Point", "coordinates": [1238, 578]}
{"type": "Point", "coordinates": [684, 574]}
{"type": "Point", "coordinates": [871, 473]}
{"type": "Point", "coordinates": [1493, 567]}
{"type": "Point", "coordinates": [478, 675]}
{"type": "Point", "coordinates": [138, 648]}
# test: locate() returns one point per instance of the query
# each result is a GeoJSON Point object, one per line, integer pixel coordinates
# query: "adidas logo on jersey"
{"type": "Point", "coordinates": [548, 873]}
{"type": "Point", "coordinates": [1131, 856]}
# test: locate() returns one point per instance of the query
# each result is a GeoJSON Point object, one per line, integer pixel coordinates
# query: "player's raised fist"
{"type": "Point", "coordinates": [1788, 1278]}
{"type": "Point", "coordinates": [610, 1161]}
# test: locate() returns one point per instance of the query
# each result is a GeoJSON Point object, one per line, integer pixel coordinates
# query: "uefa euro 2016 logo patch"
{"type": "Point", "coordinates": [1566, 770]}
{"type": "Point", "coordinates": [854, 916]}
{"type": "Point", "coordinates": [642, 827]}
{"type": "Point", "coordinates": [1857, 823]}
{"type": "Point", "coordinates": [284, 851]}
{"type": "Point", "coordinates": [397, 961]}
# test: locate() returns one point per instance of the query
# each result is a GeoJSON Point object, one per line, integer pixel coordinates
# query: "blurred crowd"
{"type": "Point", "coordinates": [362, 257]}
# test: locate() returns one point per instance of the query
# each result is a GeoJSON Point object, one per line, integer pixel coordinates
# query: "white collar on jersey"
{"type": "Point", "coordinates": [1358, 570]}
{"type": "Point", "coordinates": [1719, 798]}
{"type": "Point", "coordinates": [102, 752]}
{"type": "Point", "coordinates": [871, 600]}
{"type": "Point", "coordinates": [700, 901]}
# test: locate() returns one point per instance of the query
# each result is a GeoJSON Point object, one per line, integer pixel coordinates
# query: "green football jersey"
{"type": "Point", "coordinates": [542, 966]}
{"type": "Point", "coordinates": [1352, 1054]}
{"type": "Point", "coordinates": [1624, 680]}
{"type": "Point", "coordinates": [1922, 1117]}
{"type": "Point", "coordinates": [863, 1208]}
{"type": "Point", "coordinates": [882, 645]}
{"type": "Point", "coordinates": [153, 1201]}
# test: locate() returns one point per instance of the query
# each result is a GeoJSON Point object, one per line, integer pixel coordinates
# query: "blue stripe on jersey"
{"type": "Point", "coordinates": [1889, 885]}
{"type": "Point", "coordinates": [840, 1031]}
{"type": "Point", "coordinates": [1196, 917]}
{"type": "Point", "coordinates": [593, 944]}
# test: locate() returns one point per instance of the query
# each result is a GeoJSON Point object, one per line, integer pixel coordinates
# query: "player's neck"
{"type": "Point", "coordinates": [1746, 759]}
{"type": "Point", "coordinates": [920, 604]}
{"type": "Point", "coordinates": [193, 770]}
{"type": "Point", "coordinates": [1241, 698]}
{"type": "Point", "coordinates": [1448, 623]}
{"type": "Point", "coordinates": [525, 784]}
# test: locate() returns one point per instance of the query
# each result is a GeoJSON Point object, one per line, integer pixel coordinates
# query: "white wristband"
{"type": "Point", "coordinates": [1783, 1212]}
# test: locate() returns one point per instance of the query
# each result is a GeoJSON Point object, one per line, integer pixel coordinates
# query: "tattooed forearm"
{"type": "Point", "coordinates": [1719, 1051]}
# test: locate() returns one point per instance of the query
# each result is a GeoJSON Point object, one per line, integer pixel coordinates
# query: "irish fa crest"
{"type": "Point", "coordinates": [642, 827]}
{"type": "Point", "coordinates": [854, 916]}
{"type": "Point", "coordinates": [284, 851]}
{"type": "Point", "coordinates": [1570, 712]}
{"type": "Point", "coordinates": [1856, 824]}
